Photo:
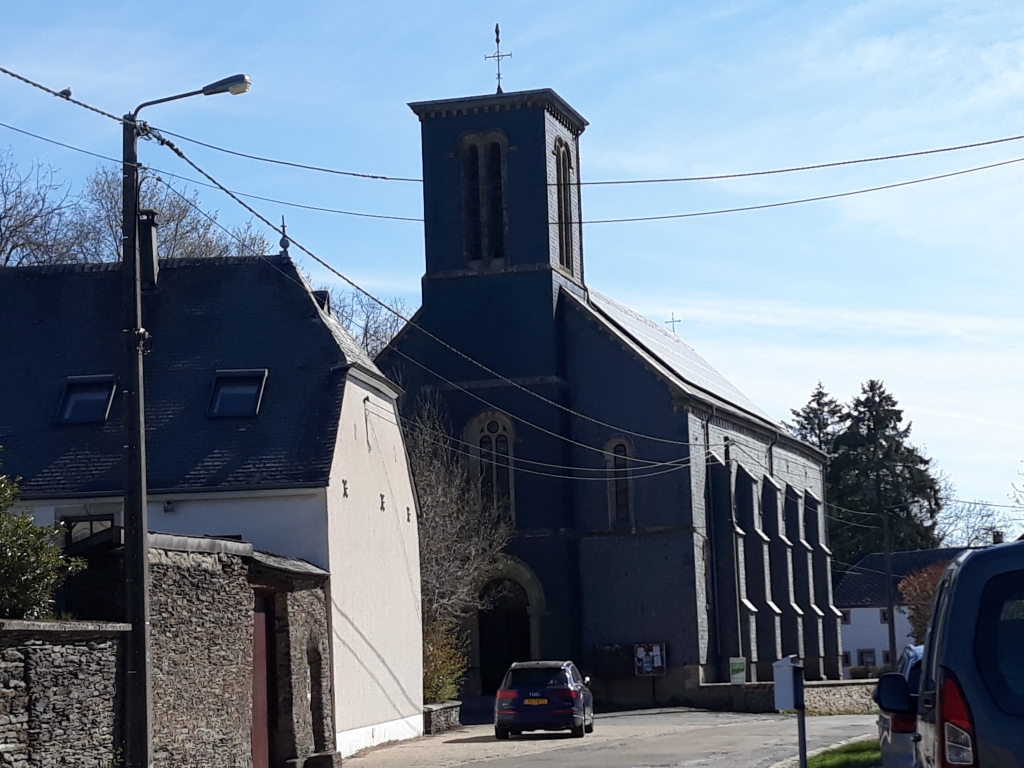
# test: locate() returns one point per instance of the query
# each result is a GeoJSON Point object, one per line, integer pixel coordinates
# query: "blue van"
{"type": "Point", "coordinates": [970, 707]}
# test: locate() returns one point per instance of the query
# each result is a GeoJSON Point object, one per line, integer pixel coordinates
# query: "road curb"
{"type": "Point", "coordinates": [793, 762]}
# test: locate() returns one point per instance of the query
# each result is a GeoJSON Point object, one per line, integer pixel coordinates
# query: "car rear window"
{"type": "Point", "coordinates": [999, 640]}
{"type": "Point", "coordinates": [536, 678]}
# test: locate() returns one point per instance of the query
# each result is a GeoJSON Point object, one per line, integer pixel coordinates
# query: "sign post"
{"type": "Point", "coordinates": [788, 674]}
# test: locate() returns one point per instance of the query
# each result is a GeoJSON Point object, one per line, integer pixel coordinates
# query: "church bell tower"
{"type": "Point", "coordinates": [501, 184]}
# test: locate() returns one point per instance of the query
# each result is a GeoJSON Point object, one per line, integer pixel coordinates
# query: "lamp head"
{"type": "Point", "coordinates": [234, 85]}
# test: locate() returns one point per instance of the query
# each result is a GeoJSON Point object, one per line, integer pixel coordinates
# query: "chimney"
{"type": "Point", "coordinates": [149, 268]}
{"type": "Point", "coordinates": [997, 537]}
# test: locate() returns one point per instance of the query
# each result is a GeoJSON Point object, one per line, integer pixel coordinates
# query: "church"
{"type": "Point", "coordinates": [669, 534]}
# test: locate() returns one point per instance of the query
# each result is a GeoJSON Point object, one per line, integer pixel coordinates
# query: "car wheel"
{"type": "Point", "coordinates": [577, 732]}
{"type": "Point", "coordinates": [500, 733]}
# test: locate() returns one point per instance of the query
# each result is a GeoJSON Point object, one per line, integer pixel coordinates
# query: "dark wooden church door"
{"type": "Point", "coordinates": [504, 632]}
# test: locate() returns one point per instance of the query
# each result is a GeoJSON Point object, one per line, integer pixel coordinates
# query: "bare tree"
{"type": "Point", "coordinates": [461, 539]}
{"type": "Point", "coordinates": [370, 324]}
{"type": "Point", "coordinates": [185, 230]}
{"type": "Point", "coordinates": [34, 211]}
{"type": "Point", "coordinates": [966, 523]}
{"type": "Point", "coordinates": [918, 589]}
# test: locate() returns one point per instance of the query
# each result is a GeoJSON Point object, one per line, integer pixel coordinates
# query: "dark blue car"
{"type": "Point", "coordinates": [543, 696]}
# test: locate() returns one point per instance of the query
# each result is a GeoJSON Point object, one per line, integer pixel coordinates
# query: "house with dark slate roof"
{"type": "Point", "coordinates": [664, 523]}
{"type": "Point", "coordinates": [862, 599]}
{"type": "Point", "coordinates": [265, 422]}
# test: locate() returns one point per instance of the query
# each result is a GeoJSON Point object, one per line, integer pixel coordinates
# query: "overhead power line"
{"type": "Point", "coordinates": [604, 182]}
{"type": "Point", "coordinates": [398, 314]}
{"type": "Point", "coordinates": [664, 217]}
{"type": "Point", "coordinates": [815, 199]}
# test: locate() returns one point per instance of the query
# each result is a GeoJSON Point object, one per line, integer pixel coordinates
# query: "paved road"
{"type": "Point", "coordinates": [667, 738]}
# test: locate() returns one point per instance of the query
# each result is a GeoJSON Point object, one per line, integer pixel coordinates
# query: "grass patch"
{"type": "Point", "coordinates": [859, 754]}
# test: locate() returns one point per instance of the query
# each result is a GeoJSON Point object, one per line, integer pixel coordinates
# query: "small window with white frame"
{"type": "Point", "coordinates": [82, 527]}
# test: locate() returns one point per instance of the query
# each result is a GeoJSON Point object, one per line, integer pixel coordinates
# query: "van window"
{"type": "Point", "coordinates": [929, 671]}
{"type": "Point", "coordinates": [999, 640]}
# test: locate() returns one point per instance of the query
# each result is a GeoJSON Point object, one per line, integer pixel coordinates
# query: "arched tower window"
{"type": "Point", "coordinates": [490, 440]}
{"type": "Point", "coordinates": [563, 185]}
{"type": "Point", "coordinates": [483, 197]}
{"type": "Point", "coordinates": [619, 461]}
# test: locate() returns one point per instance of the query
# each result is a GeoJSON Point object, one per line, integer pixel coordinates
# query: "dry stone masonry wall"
{"type": "Point", "coordinates": [201, 646]}
{"type": "Point", "coordinates": [59, 694]}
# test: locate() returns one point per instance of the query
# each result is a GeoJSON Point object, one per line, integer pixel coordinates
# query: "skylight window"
{"type": "Point", "coordinates": [237, 393]}
{"type": "Point", "coordinates": [86, 399]}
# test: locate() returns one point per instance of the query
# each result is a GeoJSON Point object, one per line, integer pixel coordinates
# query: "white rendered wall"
{"type": "Point", "coordinates": [375, 577]}
{"type": "Point", "coordinates": [865, 631]}
{"type": "Point", "coordinates": [288, 523]}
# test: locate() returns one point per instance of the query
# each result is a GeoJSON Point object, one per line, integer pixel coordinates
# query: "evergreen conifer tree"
{"type": "Point", "coordinates": [819, 421]}
{"type": "Point", "coordinates": [874, 471]}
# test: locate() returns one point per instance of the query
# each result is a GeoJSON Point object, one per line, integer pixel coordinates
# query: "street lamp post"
{"type": "Point", "coordinates": [138, 698]}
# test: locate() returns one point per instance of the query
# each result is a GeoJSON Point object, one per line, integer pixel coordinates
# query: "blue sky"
{"type": "Point", "coordinates": [921, 287]}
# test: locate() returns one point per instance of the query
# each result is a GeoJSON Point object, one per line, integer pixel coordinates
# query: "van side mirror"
{"type": "Point", "coordinates": [893, 695]}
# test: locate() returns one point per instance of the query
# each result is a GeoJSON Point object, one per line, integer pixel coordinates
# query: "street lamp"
{"type": "Point", "coordinates": [138, 697]}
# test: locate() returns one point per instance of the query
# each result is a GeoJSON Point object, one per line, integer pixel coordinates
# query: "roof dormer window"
{"type": "Point", "coordinates": [237, 393]}
{"type": "Point", "coordinates": [86, 399]}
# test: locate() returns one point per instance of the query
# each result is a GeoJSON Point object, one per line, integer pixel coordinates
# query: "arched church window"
{"type": "Point", "coordinates": [563, 185]}
{"type": "Point", "coordinates": [483, 197]}
{"type": "Point", "coordinates": [619, 460]}
{"type": "Point", "coordinates": [490, 438]}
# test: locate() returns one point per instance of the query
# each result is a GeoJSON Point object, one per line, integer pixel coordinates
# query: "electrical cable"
{"type": "Point", "coordinates": [427, 369]}
{"type": "Point", "coordinates": [60, 95]}
{"type": "Point", "coordinates": [818, 198]}
{"type": "Point", "coordinates": [621, 220]}
{"type": "Point", "coordinates": [174, 148]}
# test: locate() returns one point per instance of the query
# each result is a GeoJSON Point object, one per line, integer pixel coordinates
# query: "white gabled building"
{"type": "Point", "coordinates": [265, 421]}
{"type": "Point", "coordinates": [861, 597]}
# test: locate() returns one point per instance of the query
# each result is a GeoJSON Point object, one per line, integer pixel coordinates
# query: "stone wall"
{"type": "Point", "coordinates": [840, 697]}
{"type": "Point", "coordinates": [302, 653]}
{"type": "Point", "coordinates": [201, 648]}
{"type": "Point", "coordinates": [60, 700]}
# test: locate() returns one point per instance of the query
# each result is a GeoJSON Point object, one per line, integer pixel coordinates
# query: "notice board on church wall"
{"type": "Point", "coordinates": [649, 659]}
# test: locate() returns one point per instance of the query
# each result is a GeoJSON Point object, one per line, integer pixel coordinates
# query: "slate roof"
{"type": "Point", "coordinates": [205, 315]}
{"type": "Point", "coordinates": [676, 359]}
{"type": "Point", "coordinates": [863, 586]}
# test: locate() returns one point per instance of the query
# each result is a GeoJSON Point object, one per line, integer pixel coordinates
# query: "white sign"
{"type": "Point", "coordinates": [649, 659]}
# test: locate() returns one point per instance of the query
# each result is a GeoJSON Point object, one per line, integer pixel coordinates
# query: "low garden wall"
{"type": "Point", "coordinates": [60, 694]}
{"type": "Point", "coordinates": [438, 718]}
{"type": "Point", "coordinates": [840, 697]}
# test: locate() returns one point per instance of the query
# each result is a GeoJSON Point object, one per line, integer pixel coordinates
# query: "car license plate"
{"type": "Point", "coordinates": [534, 702]}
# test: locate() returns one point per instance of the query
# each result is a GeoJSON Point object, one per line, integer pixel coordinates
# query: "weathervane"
{"type": "Point", "coordinates": [673, 322]}
{"type": "Point", "coordinates": [498, 55]}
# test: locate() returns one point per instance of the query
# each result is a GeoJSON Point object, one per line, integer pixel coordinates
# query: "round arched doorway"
{"type": "Point", "coordinates": [504, 631]}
